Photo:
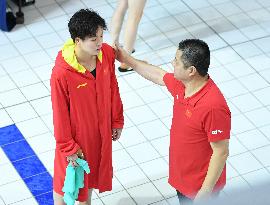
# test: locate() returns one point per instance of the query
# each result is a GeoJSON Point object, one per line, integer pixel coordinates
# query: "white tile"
{"type": "Point", "coordinates": [43, 106]}
{"type": "Point", "coordinates": [164, 187]}
{"type": "Point", "coordinates": [164, 26]}
{"type": "Point", "coordinates": [31, 201]}
{"type": "Point", "coordinates": [200, 30]}
{"type": "Point", "coordinates": [10, 175]}
{"type": "Point", "coordinates": [228, 8]}
{"type": "Point", "coordinates": [145, 194]}
{"type": "Point", "coordinates": [259, 15]}
{"type": "Point", "coordinates": [177, 35]}
{"type": "Point", "coordinates": [35, 91]}
{"type": "Point", "coordinates": [158, 129]}
{"type": "Point", "coordinates": [32, 127]}
{"type": "Point", "coordinates": [162, 145]}
{"type": "Point", "coordinates": [204, 13]}
{"type": "Point", "coordinates": [174, 200]}
{"type": "Point", "coordinates": [257, 178]}
{"type": "Point", "coordinates": [264, 118]}
{"type": "Point", "coordinates": [37, 59]}
{"type": "Point", "coordinates": [230, 171]}
{"type": "Point", "coordinates": [232, 88]}
{"type": "Point", "coordinates": [254, 32]}
{"type": "Point", "coordinates": [64, 34]}
{"type": "Point", "coordinates": [263, 44]}
{"type": "Point", "coordinates": [220, 74]}
{"type": "Point", "coordinates": [71, 7]}
{"type": "Point", "coordinates": [246, 102]}
{"type": "Point", "coordinates": [266, 131]}
{"type": "Point", "coordinates": [32, 16]}
{"type": "Point", "coordinates": [245, 163]}
{"type": "Point", "coordinates": [263, 155]}
{"type": "Point", "coordinates": [48, 121]}
{"type": "Point", "coordinates": [10, 196]}
{"type": "Point", "coordinates": [4, 159]}
{"type": "Point", "coordinates": [59, 23]}
{"type": "Point", "coordinates": [151, 94]}
{"type": "Point", "coordinates": [105, 11]}
{"type": "Point", "coordinates": [123, 86]}
{"type": "Point", "coordinates": [47, 159]}
{"type": "Point", "coordinates": [247, 49]}
{"type": "Point", "coordinates": [2, 202]}
{"type": "Point", "coordinates": [11, 97]}
{"type": "Point", "coordinates": [27, 46]}
{"type": "Point", "coordinates": [253, 139]}
{"type": "Point", "coordinates": [173, 10]}
{"type": "Point", "coordinates": [143, 152]}
{"type": "Point", "coordinates": [121, 160]}
{"type": "Point", "coordinates": [50, 40]}
{"type": "Point", "coordinates": [159, 41]}
{"type": "Point", "coordinates": [131, 136]}
{"type": "Point", "coordinates": [2, 71]}
{"type": "Point", "coordinates": [14, 65]}
{"type": "Point", "coordinates": [132, 176]}
{"type": "Point", "coordinates": [241, 20]}
{"type": "Point", "coordinates": [3, 39]}
{"type": "Point", "coordinates": [252, 5]}
{"type": "Point", "coordinates": [136, 114]}
{"type": "Point", "coordinates": [97, 202]}
{"type": "Point", "coordinates": [214, 42]}
{"type": "Point", "coordinates": [234, 110]}
{"type": "Point", "coordinates": [265, 74]}
{"type": "Point", "coordinates": [262, 96]}
{"type": "Point", "coordinates": [136, 81]}
{"type": "Point", "coordinates": [51, 11]}
{"type": "Point", "coordinates": [233, 37]}
{"type": "Point", "coordinates": [167, 121]}
{"type": "Point", "coordinates": [188, 18]}
{"type": "Point", "coordinates": [221, 25]}
{"type": "Point", "coordinates": [130, 100]}
{"type": "Point", "coordinates": [239, 68]}
{"type": "Point", "coordinates": [148, 29]}
{"type": "Point", "coordinates": [5, 120]}
{"type": "Point", "coordinates": [226, 55]}
{"type": "Point", "coordinates": [21, 112]}
{"type": "Point", "coordinates": [260, 62]}
{"type": "Point", "coordinates": [198, 4]}
{"type": "Point", "coordinates": [163, 202]}
{"type": "Point", "coordinates": [24, 78]}
{"type": "Point", "coordinates": [18, 33]}
{"type": "Point", "coordinates": [162, 108]}
{"type": "Point", "coordinates": [155, 169]}
{"type": "Point", "coordinates": [236, 147]}
{"type": "Point", "coordinates": [120, 198]}
{"type": "Point", "coordinates": [8, 51]}
{"type": "Point", "coordinates": [116, 146]}
{"type": "Point", "coordinates": [42, 4]}
{"type": "Point", "coordinates": [240, 124]}
{"type": "Point", "coordinates": [248, 82]}
{"type": "Point", "coordinates": [235, 184]}
{"type": "Point", "coordinates": [42, 143]}
{"type": "Point", "coordinates": [44, 72]}
{"type": "Point", "coordinates": [6, 84]}
{"type": "Point", "coordinates": [39, 28]}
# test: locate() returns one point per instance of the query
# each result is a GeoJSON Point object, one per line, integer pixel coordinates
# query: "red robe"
{"type": "Point", "coordinates": [85, 110]}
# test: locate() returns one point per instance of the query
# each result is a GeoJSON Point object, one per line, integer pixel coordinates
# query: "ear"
{"type": "Point", "coordinates": [192, 70]}
{"type": "Point", "coordinates": [77, 40]}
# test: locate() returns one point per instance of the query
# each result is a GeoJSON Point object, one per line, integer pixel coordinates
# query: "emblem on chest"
{"type": "Point", "coordinates": [188, 113]}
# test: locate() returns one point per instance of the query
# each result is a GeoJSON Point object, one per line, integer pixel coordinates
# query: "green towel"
{"type": "Point", "coordinates": [74, 180]}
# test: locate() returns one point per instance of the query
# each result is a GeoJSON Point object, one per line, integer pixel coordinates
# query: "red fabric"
{"type": "Point", "coordinates": [197, 121]}
{"type": "Point", "coordinates": [83, 117]}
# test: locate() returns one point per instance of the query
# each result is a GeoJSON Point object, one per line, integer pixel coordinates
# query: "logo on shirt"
{"type": "Point", "coordinates": [188, 113]}
{"type": "Point", "coordinates": [215, 132]}
{"type": "Point", "coordinates": [82, 85]}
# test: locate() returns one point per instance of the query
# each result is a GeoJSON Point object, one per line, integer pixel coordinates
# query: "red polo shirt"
{"type": "Point", "coordinates": [197, 120]}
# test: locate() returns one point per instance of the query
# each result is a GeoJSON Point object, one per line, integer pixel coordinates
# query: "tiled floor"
{"type": "Point", "coordinates": [239, 36]}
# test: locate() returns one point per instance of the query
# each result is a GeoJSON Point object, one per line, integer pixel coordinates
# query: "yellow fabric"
{"type": "Point", "coordinates": [68, 53]}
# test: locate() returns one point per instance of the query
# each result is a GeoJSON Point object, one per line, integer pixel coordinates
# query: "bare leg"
{"type": "Point", "coordinates": [117, 20]}
{"type": "Point", "coordinates": [135, 11]}
{"type": "Point", "coordinates": [58, 199]}
{"type": "Point", "coordinates": [88, 202]}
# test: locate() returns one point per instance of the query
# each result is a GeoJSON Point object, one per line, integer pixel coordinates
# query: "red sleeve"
{"type": "Point", "coordinates": [61, 120]}
{"type": "Point", "coordinates": [170, 83]}
{"type": "Point", "coordinates": [217, 124]}
{"type": "Point", "coordinates": [117, 106]}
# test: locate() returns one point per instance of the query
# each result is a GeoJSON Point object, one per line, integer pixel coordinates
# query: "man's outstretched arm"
{"type": "Point", "coordinates": [148, 71]}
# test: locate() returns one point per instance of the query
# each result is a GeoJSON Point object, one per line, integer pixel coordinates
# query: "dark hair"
{"type": "Point", "coordinates": [84, 23]}
{"type": "Point", "coordinates": [195, 53]}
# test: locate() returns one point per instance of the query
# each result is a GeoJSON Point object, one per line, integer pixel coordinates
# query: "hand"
{"type": "Point", "coordinates": [121, 54]}
{"type": "Point", "coordinates": [116, 133]}
{"type": "Point", "coordinates": [72, 158]}
{"type": "Point", "coordinates": [202, 195]}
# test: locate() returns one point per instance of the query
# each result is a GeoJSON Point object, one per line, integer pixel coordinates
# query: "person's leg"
{"type": "Point", "coordinates": [135, 12]}
{"type": "Point", "coordinates": [88, 202]}
{"type": "Point", "coordinates": [183, 200]}
{"type": "Point", "coordinates": [117, 20]}
{"type": "Point", "coordinates": [58, 199]}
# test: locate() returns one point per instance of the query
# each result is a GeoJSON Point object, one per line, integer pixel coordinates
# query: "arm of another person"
{"type": "Point", "coordinates": [148, 71]}
{"type": "Point", "coordinates": [215, 168]}
{"type": "Point", "coordinates": [61, 120]}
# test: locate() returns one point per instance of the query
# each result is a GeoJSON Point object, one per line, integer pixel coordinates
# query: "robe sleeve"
{"type": "Point", "coordinates": [61, 117]}
{"type": "Point", "coordinates": [117, 106]}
